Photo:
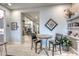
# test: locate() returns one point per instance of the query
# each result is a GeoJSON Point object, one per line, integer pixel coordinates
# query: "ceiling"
{"type": "Point", "coordinates": [25, 5]}
{"type": "Point", "coordinates": [34, 16]}
{"type": "Point", "coordinates": [28, 5]}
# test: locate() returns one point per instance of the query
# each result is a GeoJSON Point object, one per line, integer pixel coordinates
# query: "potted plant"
{"type": "Point", "coordinates": [66, 43]}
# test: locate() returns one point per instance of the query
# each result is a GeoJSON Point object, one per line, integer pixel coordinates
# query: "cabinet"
{"type": "Point", "coordinates": [75, 44]}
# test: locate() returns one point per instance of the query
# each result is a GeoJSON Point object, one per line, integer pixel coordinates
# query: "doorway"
{"type": "Point", "coordinates": [30, 24]}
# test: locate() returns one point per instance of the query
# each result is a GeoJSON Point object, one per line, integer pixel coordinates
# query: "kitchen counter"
{"type": "Point", "coordinates": [75, 44]}
{"type": "Point", "coordinates": [75, 38]}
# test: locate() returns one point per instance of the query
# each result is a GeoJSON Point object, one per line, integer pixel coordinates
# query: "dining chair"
{"type": "Point", "coordinates": [55, 43]}
{"type": "Point", "coordinates": [3, 44]}
{"type": "Point", "coordinates": [35, 41]}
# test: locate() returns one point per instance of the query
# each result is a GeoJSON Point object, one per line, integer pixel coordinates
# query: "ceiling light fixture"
{"type": "Point", "coordinates": [9, 4]}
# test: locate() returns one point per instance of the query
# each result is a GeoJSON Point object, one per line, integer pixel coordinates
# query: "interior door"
{"type": "Point", "coordinates": [2, 25]}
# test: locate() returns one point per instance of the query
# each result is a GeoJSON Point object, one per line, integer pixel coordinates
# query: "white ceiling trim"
{"type": "Point", "coordinates": [15, 6]}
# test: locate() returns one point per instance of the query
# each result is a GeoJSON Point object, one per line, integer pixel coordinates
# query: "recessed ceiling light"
{"type": "Point", "coordinates": [9, 4]}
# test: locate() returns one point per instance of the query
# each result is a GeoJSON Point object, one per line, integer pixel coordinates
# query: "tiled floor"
{"type": "Point", "coordinates": [24, 50]}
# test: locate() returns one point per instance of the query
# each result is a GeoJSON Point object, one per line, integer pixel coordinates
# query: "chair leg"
{"type": "Point", "coordinates": [31, 44]}
{"type": "Point", "coordinates": [60, 48]}
{"type": "Point", "coordinates": [55, 47]}
{"type": "Point", "coordinates": [53, 50]}
{"type": "Point", "coordinates": [5, 49]}
{"type": "Point", "coordinates": [49, 45]}
{"type": "Point", "coordinates": [35, 47]}
{"type": "Point", "coordinates": [46, 43]}
{"type": "Point", "coordinates": [41, 45]}
{"type": "Point", "coordinates": [1, 49]}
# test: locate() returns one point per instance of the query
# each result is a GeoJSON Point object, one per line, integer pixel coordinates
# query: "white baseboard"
{"type": "Point", "coordinates": [73, 50]}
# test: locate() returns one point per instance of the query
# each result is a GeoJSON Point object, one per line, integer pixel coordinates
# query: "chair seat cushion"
{"type": "Point", "coordinates": [54, 43]}
{"type": "Point", "coordinates": [38, 41]}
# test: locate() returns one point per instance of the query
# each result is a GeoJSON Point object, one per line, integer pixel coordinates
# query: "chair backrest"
{"type": "Point", "coordinates": [58, 37]}
{"type": "Point", "coordinates": [33, 35]}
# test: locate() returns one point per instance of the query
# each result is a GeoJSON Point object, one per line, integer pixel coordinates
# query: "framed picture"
{"type": "Point", "coordinates": [14, 25]}
{"type": "Point", "coordinates": [51, 24]}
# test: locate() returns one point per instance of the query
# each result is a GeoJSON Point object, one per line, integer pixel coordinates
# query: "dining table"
{"type": "Point", "coordinates": [44, 37]}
